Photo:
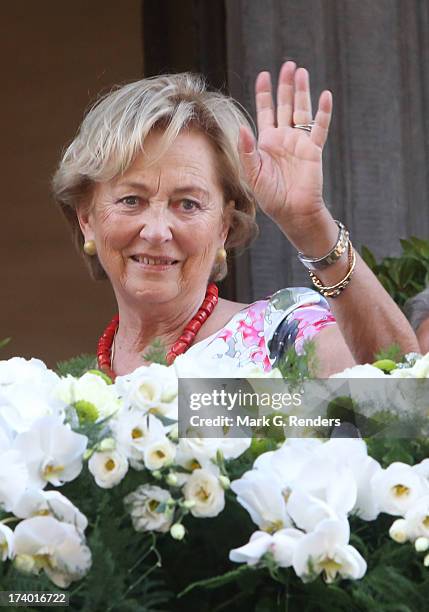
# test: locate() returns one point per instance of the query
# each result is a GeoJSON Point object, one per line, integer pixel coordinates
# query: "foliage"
{"type": "Point", "coordinates": [403, 276]}
{"type": "Point", "coordinates": [4, 342]}
{"type": "Point", "coordinates": [77, 366]}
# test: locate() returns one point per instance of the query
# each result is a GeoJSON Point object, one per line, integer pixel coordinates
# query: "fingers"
{"type": "Point", "coordinates": [319, 133]}
{"type": "Point", "coordinates": [293, 102]}
{"type": "Point", "coordinates": [264, 101]}
{"type": "Point", "coordinates": [249, 155]}
{"type": "Point", "coordinates": [285, 94]}
{"type": "Point", "coordinates": [302, 100]}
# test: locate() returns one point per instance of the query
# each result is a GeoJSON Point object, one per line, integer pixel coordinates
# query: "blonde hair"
{"type": "Point", "coordinates": [113, 133]}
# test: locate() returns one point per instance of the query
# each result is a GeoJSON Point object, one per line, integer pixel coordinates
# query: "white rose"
{"type": "Point", "coordinates": [203, 488]}
{"type": "Point", "coordinates": [150, 389]}
{"type": "Point", "coordinates": [194, 453]}
{"type": "Point", "coordinates": [108, 468]}
{"type": "Point", "coordinates": [143, 504]}
{"type": "Point", "coordinates": [134, 431]}
{"type": "Point", "coordinates": [159, 454]}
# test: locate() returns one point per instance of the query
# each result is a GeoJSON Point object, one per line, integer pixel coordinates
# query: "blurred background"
{"type": "Point", "coordinates": [58, 56]}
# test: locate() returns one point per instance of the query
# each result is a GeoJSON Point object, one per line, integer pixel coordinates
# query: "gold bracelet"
{"type": "Point", "coordinates": [334, 290]}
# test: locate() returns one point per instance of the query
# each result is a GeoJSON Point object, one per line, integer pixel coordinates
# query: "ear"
{"type": "Point", "coordinates": [85, 218]}
{"type": "Point", "coordinates": [226, 219]}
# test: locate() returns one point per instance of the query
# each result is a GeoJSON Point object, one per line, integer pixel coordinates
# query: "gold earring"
{"type": "Point", "coordinates": [221, 256]}
{"type": "Point", "coordinates": [90, 248]}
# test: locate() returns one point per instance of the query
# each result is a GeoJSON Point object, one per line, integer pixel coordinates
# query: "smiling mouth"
{"type": "Point", "coordinates": [154, 261]}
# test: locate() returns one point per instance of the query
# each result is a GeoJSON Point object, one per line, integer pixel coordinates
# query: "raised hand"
{"type": "Point", "coordinates": [284, 165]}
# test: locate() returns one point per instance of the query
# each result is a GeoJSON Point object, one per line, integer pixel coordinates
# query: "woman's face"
{"type": "Point", "coordinates": [158, 226]}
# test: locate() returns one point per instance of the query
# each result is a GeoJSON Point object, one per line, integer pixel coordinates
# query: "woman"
{"type": "Point", "coordinates": [156, 192]}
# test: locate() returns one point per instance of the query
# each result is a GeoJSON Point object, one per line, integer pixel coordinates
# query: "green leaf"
{"type": "Point", "coordinates": [156, 353]}
{"type": "Point", "coordinates": [368, 257]}
{"type": "Point", "coordinates": [77, 366]}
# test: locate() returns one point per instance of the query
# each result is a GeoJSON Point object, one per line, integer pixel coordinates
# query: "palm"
{"type": "Point", "coordinates": [284, 167]}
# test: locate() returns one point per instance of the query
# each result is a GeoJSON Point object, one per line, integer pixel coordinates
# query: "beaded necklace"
{"type": "Point", "coordinates": [104, 347]}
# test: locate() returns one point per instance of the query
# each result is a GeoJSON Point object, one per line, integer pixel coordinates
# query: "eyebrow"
{"type": "Point", "coordinates": [180, 191]}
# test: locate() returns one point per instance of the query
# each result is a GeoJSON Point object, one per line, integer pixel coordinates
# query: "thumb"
{"type": "Point", "coordinates": [249, 154]}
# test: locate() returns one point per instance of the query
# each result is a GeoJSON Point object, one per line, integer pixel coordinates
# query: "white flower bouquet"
{"type": "Point", "coordinates": [99, 496]}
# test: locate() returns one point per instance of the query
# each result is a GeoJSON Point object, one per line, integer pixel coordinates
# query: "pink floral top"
{"type": "Point", "coordinates": [261, 332]}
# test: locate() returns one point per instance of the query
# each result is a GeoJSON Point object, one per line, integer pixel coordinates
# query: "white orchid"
{"type": "Point", "coordinates": [150, 389]}
{"type": "Point", "coordinates": [27, 393]}
{"type": "Point", "coordinates": [397, 488]}
{"type": "Point", "coordinates": [144, 504]}
{"type": "Point", "coordinates": [43, 542]}
{"type": "Point", "coordinates": [287, 461]}
{"type": "Point", "coordinates": [205, 492]}
{"type": "Point", "coordinates": [326, 551]}
{"type": "Point", "coordinates": [108, 468]}
{"type": "Point", "coordinates": [13, 478]}
{"type": "Point", "coordinates": [280, 544]}
{"type": "Point", "coordinates": [261, 495]}
{"type": "Point", "coordinates": [90, 388]}
{"type": "Point", "coordinates": [417, 519]}
{"type": "Point", "coordinates": [6, 542]}
{"type": "Point", "coordinates": [353, 454]}
{"type": "Point", "coordinates": [36, 502]}
{"type": "Point", "coordinates": [52, 451]}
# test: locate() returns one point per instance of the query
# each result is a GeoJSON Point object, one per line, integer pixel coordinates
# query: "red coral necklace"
{"type": "Point", "coordinates": [104, 347]}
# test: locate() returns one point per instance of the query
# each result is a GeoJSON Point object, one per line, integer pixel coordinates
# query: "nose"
{"type": "Point", "coordinates": [156, 227]}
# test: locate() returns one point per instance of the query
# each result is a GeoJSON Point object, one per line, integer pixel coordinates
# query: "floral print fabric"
{"type": "Point", "coordinates": [261, 332]}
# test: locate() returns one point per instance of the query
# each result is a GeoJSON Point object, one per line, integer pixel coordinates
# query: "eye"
{"type": "Point", "coordinates": [130, 200]}
{"type": "Point", "coordinates": [189, 205]}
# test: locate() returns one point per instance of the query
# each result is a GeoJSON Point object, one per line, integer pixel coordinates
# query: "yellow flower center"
{"type": "Point", "coordinates": [109, 465]}
{"type": "Point", "coordinates": [136, 433]}
{"type": "Point", "coordinates": [160, 454]}
{"type": "Point", "coordinates": [43, 561]}
{"type": "Point", "coordinates": [153, 505]}
{"type": "Point", "coordinates": [400, 490]}
{"type": "Point", "coordinates": [52, 470]}
{"type": "Point", "coordinates": [274, 526]}
{"type": "Point", "coordinates": [426, 521]}
{"type": "Point", "coordinates": [330, 567]}
{"type": "Point", "coordinates": [202, 494]}
{"type": "Point", "coordinates": [194, 465]}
